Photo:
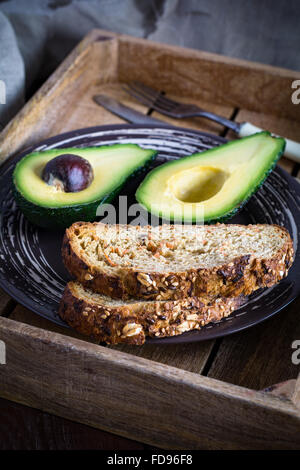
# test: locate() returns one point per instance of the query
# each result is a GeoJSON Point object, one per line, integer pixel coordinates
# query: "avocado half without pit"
{"type": "Point", "coordinates": [212, 185]}
{"type": "Point", "coordinates": [55, 188]}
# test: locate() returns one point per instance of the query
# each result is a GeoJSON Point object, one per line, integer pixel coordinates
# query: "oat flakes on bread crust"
{"type": "Point", "coordinates": [112, 321]}
{"type": "Point", "coordinates": [174, 262]}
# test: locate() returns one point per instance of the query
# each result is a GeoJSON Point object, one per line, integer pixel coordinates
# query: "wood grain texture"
{"type": "Point", "coordinates": [211, 77]}
{"type": "Point", "coordinates": [281, 125]}
{"type": "Point", "coordinates": [160, 405]}
{"type": "Point", "coordinates": [23, 428]}
{"type": "Point", "coordinates": [261, 356]}
{"type": "Point", "coordinates": [191, 357]}
{"type": "Point", "coordinates": [86, 113]}
{"type": "Point", "coordinates": [283, 389]}
{"type": "Point", "coordinates": [22, 314]}
{"type": "Point", "coordinates": [296, 394]}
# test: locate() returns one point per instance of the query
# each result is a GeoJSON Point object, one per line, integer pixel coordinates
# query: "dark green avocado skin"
{"type": "Point", "coordinates": [62, 217]}
{"type": "Point", "coordinates": [59, 217]}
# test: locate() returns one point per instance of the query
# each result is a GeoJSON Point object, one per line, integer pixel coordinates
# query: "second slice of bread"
{"type": "Point", "coordinates": [116, 321]}
{"type": "Point", "coordinates": [175, 261]}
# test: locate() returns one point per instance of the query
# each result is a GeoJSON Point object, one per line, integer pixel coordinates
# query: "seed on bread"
{"type": "Point", "coordinates": [253, 256]}
{"type": "Point", "coordinates": [131, 329]}
{"type": "Point", "coordinates": [116, 321]}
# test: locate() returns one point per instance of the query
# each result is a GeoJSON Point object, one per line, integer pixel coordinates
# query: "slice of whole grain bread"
{"type": "Point", "coordinates": [176, 261]}
{"type": "Point", "coordinates": [117, 321]}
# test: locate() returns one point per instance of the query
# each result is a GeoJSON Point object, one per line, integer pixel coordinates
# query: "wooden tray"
{"type": "Point", "coordinates": [210, 395]}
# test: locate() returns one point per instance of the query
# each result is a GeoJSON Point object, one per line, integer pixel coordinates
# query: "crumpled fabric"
{"type": "Point", "coordinates": [12, 72]}
{"type": "Point", "coordinates": [36, 35]}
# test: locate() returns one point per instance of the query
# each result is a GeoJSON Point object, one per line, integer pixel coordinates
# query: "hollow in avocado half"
{"type": "Point", "coordinates": [211, 185]}
{"type": "Point", "coordinates": [55, 188]}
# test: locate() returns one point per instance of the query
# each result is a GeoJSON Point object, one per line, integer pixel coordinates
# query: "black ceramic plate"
{"type": "Point", "coordinates": [31, 270]}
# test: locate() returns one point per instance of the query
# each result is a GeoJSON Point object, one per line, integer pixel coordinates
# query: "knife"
{"type": "Point", "coordinates": [129, 114]}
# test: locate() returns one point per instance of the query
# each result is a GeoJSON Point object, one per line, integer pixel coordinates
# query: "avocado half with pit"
{"type": "Point", "coordinates": [211, 185]}
{"type": "Point", "coordinates": [48, 205]}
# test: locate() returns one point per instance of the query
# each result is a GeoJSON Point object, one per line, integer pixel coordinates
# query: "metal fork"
{"type": "Point", "coordinates": [156, 100]}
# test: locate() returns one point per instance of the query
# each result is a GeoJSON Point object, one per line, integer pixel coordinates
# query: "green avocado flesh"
{"type": "Point", "coordinates": [49, 207]}
{"type": "Point", "coordinates": [211, 185]}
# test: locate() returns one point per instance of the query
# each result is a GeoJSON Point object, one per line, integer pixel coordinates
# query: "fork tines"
{"type": "Point", "coordinates": [149, 96]}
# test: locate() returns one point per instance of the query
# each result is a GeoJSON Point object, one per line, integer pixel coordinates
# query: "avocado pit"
{"type": "Point", "coordinates": [69, 173]}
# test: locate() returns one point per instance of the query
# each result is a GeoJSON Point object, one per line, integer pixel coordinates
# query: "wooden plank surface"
{"type": "Point", "coordinates": [262, 355]}
{"type": "Point", "coordinates": [140, 399]}
{"type": "Point", "coordinates": [86, 113]}
{"type": "Point", "coordinates": [26, 316]}
{"type": "Point", "coordinates": [24, 428]}
{"type": "Point", "coordinates": [191, 357]}
{"type": "Point", "coordinates": [280, 125]}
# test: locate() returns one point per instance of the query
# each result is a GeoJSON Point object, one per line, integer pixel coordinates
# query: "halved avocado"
{"type": "Point", "coordinates": [211, 185]}
{"type": "Point", "coordinates": [47, 206]}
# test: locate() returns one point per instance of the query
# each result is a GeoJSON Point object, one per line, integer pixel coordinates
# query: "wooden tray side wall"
{"type": "Point", "coordinates": [215, 78]}
{"type": "Point", "coordinates": [128, 396]}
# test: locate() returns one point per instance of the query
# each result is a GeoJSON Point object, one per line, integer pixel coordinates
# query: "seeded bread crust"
{"type": "Point", "coordinates": [241, 276]}
{"type": "Point", "coordinates": [132, 322]}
